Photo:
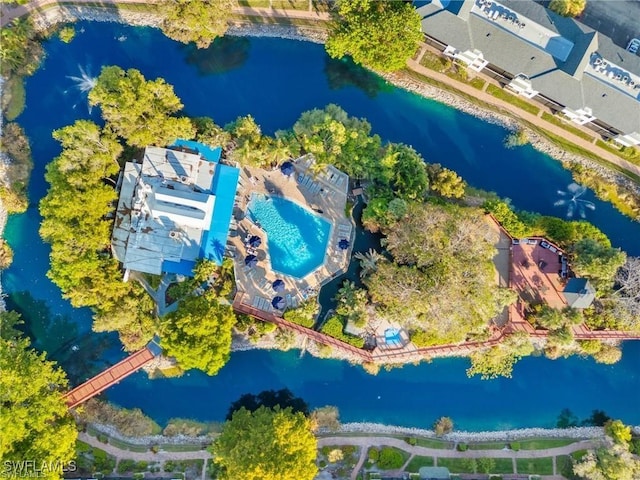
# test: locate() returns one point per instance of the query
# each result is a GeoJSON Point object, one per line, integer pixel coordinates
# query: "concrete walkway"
{"type": "Point", "coordinates": [160, 457]}
{"type": "Point", "coordinates": [365, 442]}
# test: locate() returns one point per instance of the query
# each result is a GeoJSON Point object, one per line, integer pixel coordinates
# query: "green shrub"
{"type": "Point", "coordinates": [390, 458]}
{"type": "Point", "coordinates": [411, 440]}
{"type": "Point", "coordinates": [334, 328]}
{"type": "Point", "coordinates": [322, 463]}
{"type": "Point", "coordinates": [169, 466]}
{"type": "Point", "coordinates": [373, 454]}
{"type": "Point", "coordinates": [462, 447]}
{"type": "Point", "coordinates": [515, 446]}
{"type": "Point", "coordinates": [103, 438]}
{"type": "Point", "coordinates": [126, 465]}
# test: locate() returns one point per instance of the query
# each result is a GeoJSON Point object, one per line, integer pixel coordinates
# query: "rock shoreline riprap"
{"type": "Point", "coordinates": [577, 433]}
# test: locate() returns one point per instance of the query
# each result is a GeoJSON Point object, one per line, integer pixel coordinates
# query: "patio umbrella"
{"type": "Point", "coordinates": [251, 260]}
{"type": "Point", "coordinates": [255, 241]}
{"type": "Point", "coordinates": [279, 303]}
{"type": "Point", "coordinates": [287, 168]}
{"type": "Point", "coordinates": [343, 244]}
{"type": "Point", "coordinates": [278, 285]}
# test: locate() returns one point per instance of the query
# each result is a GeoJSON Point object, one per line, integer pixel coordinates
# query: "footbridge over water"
{"type": "Point", "coordinates": [113, 374]}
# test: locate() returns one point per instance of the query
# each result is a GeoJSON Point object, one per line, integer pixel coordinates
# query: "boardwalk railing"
{"type": "Point", "coordinates": [108, 377]}
{"type": "Point", "coordinates": [580, 333]}
{"type": "Point", "coordinates": [240, 306]}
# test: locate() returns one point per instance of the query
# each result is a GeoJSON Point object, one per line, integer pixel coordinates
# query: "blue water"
{"type": "Point", "coordinates": [276, 80]}
{"type": "Point", "coordinates": [297, 237]}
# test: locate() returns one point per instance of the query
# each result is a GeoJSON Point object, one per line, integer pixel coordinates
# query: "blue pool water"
{"type": "Point", "coordinates": [297, 238]}
{"type": "Point", "coordinates": [276, 80]}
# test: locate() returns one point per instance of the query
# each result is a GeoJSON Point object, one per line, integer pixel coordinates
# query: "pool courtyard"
{"type": "Point", "coordinates": [290, 234]}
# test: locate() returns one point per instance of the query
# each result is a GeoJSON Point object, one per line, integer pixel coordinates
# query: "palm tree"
{"type": "Point", "coordinates": [368, 262]}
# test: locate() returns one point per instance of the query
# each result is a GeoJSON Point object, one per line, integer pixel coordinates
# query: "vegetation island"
{"type": "Point", "coordinates": [182, 235]}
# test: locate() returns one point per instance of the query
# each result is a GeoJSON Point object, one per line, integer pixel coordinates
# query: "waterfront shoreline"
{"type": "Point", "coordinates": [377, 429]}
{"type": "Point", "coordinates": [64, 14]}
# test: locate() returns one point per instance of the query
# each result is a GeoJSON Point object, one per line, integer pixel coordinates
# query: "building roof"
{"type": "Point", "coordinates": [174, 209]}
{"type": "Point", "coordinates": [579, 293]}
{"type": "Point", "coordinates": [434, 473]}
{"type": "Point", "coordinates": [556, 53]}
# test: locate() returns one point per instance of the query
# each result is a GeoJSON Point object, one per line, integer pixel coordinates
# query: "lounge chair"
{"type": "Point", "coordinates": [254, 303]}
{"type": "Point", "coordinates": [289, 300]}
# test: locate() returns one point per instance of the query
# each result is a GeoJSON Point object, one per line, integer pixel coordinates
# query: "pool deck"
{"type": "Point", "coordinates": [324, 190]}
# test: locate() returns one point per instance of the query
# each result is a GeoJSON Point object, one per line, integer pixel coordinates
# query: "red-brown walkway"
{"type": "Point", "coordinates": [108, 377]}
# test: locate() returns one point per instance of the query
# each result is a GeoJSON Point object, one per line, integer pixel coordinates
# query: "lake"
{"type": "Point", "coordinates": [275, 80]}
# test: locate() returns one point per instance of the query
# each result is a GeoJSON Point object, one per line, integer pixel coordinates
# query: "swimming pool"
{"type": "Point", "coordinates": [297, 238]}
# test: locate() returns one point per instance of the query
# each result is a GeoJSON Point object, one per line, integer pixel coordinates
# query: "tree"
{"type": "Point", "coordinates": [326, 418]}
{"type": "Point", "coordinates": [624, 302]}
{"type": "Point", "coordinates": [486, 465]}
{"type": "Point", "coordinates": [599, 263]}
{"type": "Point", "coordinates": [336, 139]}
{"type": "Point", "coordinates": [198, 334]}
{"type": "Point", "coordinates": [442, 426]}
{"type": "Point", "coordinates": [608, 354]}
{"type": "Point", "coordinates": [553, 319]}
{"type": "Point", "coordinates": [618, 431]}
{"type": "Point", "coordinates": [498, 361]}
{"type": "Point", "coordinates": [276, 444]}
{"type": "Point", "coordinates": [445, 182]}
{"type": "Point", "coordinates": [368, 261]}
{"type": "Point", "coordinates": [568, 8]}
{"type": "Point", "coordinates": [139, 110]}
{"type": "Point", "coordinates": [408, 174]}
{"type": "Point", "coordinates": [352, 304]}
{"type": "Point", "coordinates": [199, 21]}
{"type": "Point", "coordinates": [35, 421]}
{"type": "Point", "coordinates": [609, 463]}
{"type": "Point", "coordinates": [67, 34]}
{"type": "Point", "coordinates": [283, 398]}
{"type": "Point", "coordinates": [381, 35]}
{"type": "Point", "coordinates": [20, 49]}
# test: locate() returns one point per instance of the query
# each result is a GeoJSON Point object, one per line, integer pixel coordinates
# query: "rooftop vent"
{"type": "Point", "coordinates": [174, 234]}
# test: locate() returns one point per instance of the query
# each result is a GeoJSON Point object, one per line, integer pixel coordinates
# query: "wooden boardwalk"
{"type": "Point", "coordinates": [108, 377]}
{"type": "Point", "coordinates": [581, 332]}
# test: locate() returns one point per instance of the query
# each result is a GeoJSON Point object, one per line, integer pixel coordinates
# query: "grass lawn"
{"type": "Point", "coordinates": [578, 454]}
{"type": "Point", "coordinates": [502, 465]}
{"type": "Point", "coordinates": [417, 462]}
{"type": "Point", "coordinates": [127, 446]}
{"type": "Point", "coordinates": [540, 443]}
{"type": "Point", "coordinates": [487, 446]}
{"type": "Point", "coordinates": [477, 83]}
{"type": "Point", "coordinates": [254, 3]}
{"type": "Point", "coordinates": [456, 465]}
{"type": "Point", "coordinates": [537, 466]}
{"type": "Point", "coordinates": [556, 120]}
{"type": "Point", "coordinates": [181, 448]}
{"type": "Point", "coordinates": [290, 4]}
{"type": "Point", "coordinates": [14, 91]}
{"type": "Point", "coordinates": [631, 154]}
{"type": "Point", "coordinates": [434, 443]}
{"type": "Point", "coordinates": [512, 99]}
